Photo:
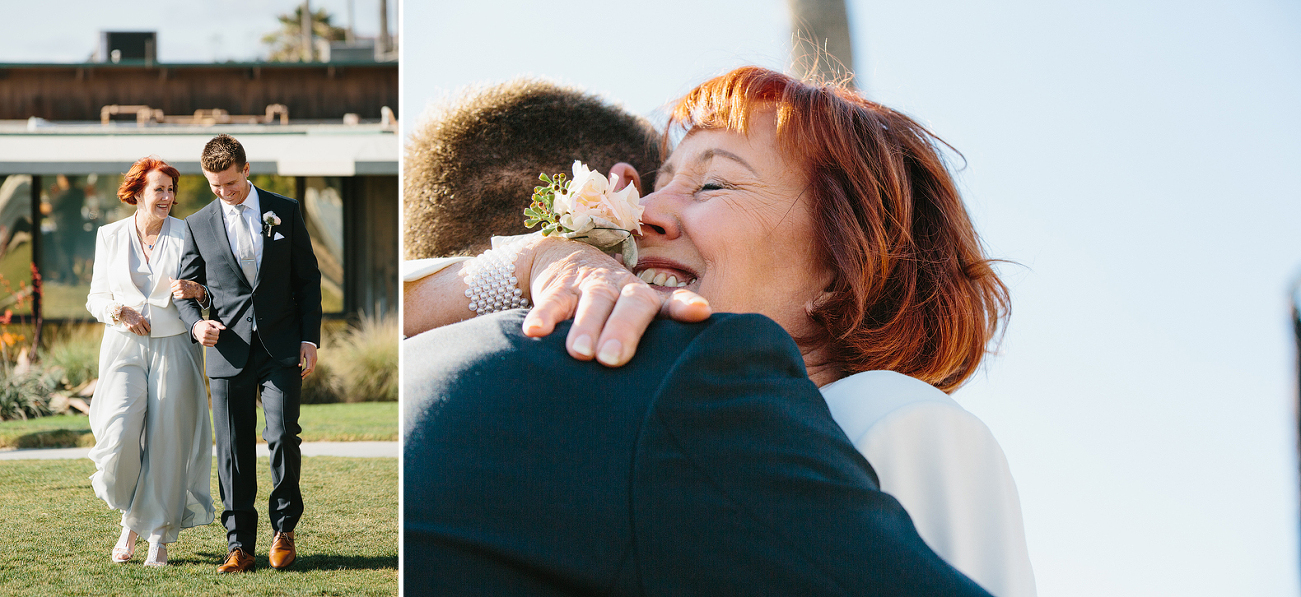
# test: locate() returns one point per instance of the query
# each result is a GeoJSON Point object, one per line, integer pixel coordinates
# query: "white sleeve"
{"type": "Point", "coordinates": [415, 269]}
{"type": "Point", "coordinates": [943, 464]}
{"type": "Point", "coordinates": [100, 301]}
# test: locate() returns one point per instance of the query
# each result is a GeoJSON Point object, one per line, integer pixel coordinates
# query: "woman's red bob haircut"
{"type": "Point", "coordinates": [912, 290]}
{"type": "Point", "coordinates": [134, 181]}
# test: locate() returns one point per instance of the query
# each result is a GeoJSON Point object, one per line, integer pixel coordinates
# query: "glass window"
{"type": "Point", "coordinates": [74, 207]}
{"type": "Point", "coordinates": [72, 210]}
{"type": "Point", "coordinates": [323, 209]}
{"type": "Point", "coordinates": [16, 244]}
{"type": "Point", "coordinates": [192, 194]}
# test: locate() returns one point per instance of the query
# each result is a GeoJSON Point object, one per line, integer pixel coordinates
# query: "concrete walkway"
{"type": "Point", "coordinates": [354, 449]}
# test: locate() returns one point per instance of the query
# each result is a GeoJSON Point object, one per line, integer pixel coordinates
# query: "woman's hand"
{"type": "Point", "coordinates": [134, 321]}
{"type": "Point", "coordinates": [186, 289]}
{"type": "Point", "coordinates": [611, 307]}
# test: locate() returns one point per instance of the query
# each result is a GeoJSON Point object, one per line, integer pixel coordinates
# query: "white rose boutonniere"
{"type": "Point", "coordinates": [588, 209]}
{"type": "Point", "coordinates": [269, 219]}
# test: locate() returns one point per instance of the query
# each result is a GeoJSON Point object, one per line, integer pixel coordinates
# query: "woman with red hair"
{"type": "Point", "coordinates": [837, 218]}
{"type": "Point", "coordinates": [149, 415]}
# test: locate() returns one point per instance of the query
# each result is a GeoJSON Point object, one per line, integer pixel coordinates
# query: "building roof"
{"type": "Point", "coordinates": [42, 148]}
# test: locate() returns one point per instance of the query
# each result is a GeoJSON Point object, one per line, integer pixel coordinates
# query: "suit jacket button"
{"type": "Point", "coordinates": [248, 319]}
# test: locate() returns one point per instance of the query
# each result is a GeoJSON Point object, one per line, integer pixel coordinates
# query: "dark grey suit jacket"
{"type": "Point", "coordinates": [708, 465]}
{"type": "Point", "coordinates": [286, 298]}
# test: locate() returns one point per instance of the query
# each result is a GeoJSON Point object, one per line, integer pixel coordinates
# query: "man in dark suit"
{"type": "Point", "coordinates": [251, 251]}
{"type": "Point", "coordinates": [709, 464]}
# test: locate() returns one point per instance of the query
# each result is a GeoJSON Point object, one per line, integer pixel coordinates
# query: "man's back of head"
{"type": "Point", "coordinates": [471, 168]}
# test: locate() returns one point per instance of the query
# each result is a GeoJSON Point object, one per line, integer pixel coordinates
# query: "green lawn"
{"type": "Point", "coordinates": [58, 536]}
{"type": "Point", "coordinates": [360, 421]}
{"type": "Point", "coordinates": [60, 431]}
{"type": "Point", "coordinates": [355, 422]}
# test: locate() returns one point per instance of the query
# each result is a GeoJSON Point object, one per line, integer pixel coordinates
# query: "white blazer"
{"type": "Point", "coordinates": [111, 283]}
{"type": "Point", "coordinates": [945, 467]}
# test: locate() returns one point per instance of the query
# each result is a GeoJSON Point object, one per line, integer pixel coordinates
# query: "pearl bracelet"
{"type": "Point", "coordinates": [491, 281]}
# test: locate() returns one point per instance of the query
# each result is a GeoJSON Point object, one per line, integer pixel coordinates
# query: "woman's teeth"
{"type": "Point", "coordinates": [659, 278]}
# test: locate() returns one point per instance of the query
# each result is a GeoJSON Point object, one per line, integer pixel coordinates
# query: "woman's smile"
{"type": "Point", "coordinates": [665, 274]}
{"type": "Point", "coordinates": [727, 220]}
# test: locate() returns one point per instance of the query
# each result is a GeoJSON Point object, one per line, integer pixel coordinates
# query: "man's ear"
{"type": "Point", "coordinates": [627, 174]}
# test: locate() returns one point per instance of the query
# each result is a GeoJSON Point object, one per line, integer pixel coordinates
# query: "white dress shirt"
{"type": "Point", "coordinates": [252, 215]}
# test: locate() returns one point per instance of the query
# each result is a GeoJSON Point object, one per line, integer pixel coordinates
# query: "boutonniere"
{"type": "Point", "coordinates": [588, 209]}
{"type": "Point", "coordinates": [269, 219]}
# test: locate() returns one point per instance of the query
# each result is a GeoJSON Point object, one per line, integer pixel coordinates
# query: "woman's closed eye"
{"type": "Point", "coordinates": [714, 185]}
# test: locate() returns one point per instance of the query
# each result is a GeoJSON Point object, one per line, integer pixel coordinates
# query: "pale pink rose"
{"type": "Point", "coordinates": [591, 202]}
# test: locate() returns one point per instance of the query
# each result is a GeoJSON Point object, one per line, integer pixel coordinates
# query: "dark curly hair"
{"type": "Point", "coordinates": [471, 168]}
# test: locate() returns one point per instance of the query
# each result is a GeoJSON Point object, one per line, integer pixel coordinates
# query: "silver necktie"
{"type": "Point", "coordinates": [244, 240]}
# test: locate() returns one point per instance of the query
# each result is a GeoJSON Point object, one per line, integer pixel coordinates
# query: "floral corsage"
{"type": "Point", "coordinates": [269, 219]}
{"type": "Point", "coordinates": [589, 210]}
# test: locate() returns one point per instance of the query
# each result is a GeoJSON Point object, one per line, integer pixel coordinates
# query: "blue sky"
{"type": "Point", "coordinates": [187, 31]}
{"type": "Point", "coordinates": [1137, 162]}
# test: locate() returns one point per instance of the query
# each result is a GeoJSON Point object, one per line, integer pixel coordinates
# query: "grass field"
{"type": "Point", "coordinates": [58, 536]}
{"type": "Point", "coordinates": [359, 421]}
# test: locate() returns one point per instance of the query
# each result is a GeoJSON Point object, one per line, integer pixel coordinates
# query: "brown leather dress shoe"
{"type": "Point", "coordinates": [282, 551]}
{"type": "Point", "coordinates": [237, 561]}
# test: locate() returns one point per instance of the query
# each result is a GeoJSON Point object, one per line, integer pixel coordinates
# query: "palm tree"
{"type": "Point", "coordinates": [820, 40]}
{"type": "Point", "coordinates": [288, 44]}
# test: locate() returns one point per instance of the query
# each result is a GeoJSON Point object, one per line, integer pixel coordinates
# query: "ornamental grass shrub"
{"type": "Point", "coordinates": [365, 358]}
{"type": "Point", "coordinates": [74, 349]}
{"type": "Point", "coordinates": [25, 395]}
{"type": "Point", "coordinates": [323, 386]}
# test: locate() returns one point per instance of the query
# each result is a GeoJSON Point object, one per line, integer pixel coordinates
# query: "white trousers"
{"type": "Point", "coordinates": [153, 439]}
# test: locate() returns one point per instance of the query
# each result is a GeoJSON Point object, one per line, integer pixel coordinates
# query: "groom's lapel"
{"type": "Point", "coordinates": [269, 203]}
{"type": "Point", "coordinates": [217, 224]}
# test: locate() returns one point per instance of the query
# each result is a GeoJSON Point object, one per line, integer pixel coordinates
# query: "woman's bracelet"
{"type": "Point", "coordinates": [115, 312]}
{"type": "Point", "coordinates": [491, 281]}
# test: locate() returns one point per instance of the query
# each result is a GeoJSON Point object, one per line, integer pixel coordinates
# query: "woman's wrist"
{"type": "Point", "coordinates": [493, 281]}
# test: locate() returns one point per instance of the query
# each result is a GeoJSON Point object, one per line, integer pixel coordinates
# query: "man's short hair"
{"type": "Point", "coordinates": [222, 152]}
{"type": "Point", "coordinates": [471, 167]}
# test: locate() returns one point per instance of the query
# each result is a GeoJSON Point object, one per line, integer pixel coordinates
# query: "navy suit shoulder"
{"type": "Point", "coordinates": [518, 459]}
{"type": "Point", "coordinates": [781, 492]}
{"type": "Point", "coordinates": [528, 472]}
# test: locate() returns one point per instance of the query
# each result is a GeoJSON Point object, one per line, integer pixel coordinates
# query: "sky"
{"type": "Point", "coordinates": [188, 31]}
{"type": "Point", "coordinates": [1136, 163]}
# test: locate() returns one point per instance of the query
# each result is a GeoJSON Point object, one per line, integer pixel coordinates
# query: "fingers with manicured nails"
{"type": "Point", "coordinates": [684, 305]}
{"type": "Point", "coordinates": [637, 306]}
{"type": "Point", "coordinates": [558, 268]}
{"type": "Point", "coordinates": [595, 302]}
